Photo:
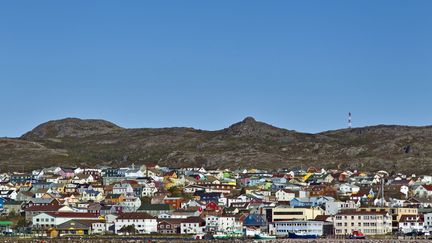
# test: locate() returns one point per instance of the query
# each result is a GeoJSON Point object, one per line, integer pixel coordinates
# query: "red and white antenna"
{"type": "Point", "coordinates": [349, 120]}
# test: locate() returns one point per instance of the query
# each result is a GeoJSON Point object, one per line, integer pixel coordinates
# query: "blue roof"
{"type": "Point", "coordinates": [254, 220]}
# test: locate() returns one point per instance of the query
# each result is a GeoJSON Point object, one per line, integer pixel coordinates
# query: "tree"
{"type": "Point", "coordinates": [129, 229]}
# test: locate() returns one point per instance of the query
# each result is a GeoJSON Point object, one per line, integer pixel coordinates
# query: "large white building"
{"type": "Point", "coordinates": [283, 228]}
{"type": "Point", "coordinates": [369, 223]}
{"type": "Point", "coordinates": [49, 220]}
{"type": "Point", "coordinates": [143, 223]}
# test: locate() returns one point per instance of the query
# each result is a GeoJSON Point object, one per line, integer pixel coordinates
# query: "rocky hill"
{"type": "Point", "coordinates": [249, 143]}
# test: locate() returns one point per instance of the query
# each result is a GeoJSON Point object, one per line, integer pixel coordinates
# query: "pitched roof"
{"type": "Point", "coordinates": [135, 216]}
{"type": "Point", "coordinates": [154, 207]}
{"type": "Point", "coordinates": [73, 215]}
{"type": "Point", "coordinates": [193, 220]}
{"type": "Point", "coordinates": [427, 187]}
{"type": "Point", "coordinates": [43, 208]}
{"type": "Point", "coordinates": [77, 224]}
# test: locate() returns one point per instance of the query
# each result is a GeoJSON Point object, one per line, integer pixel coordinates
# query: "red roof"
{"type": "Point", "coordinates": [411, 218]}
{"type": "Point", "coordinates": [427, 187]}
{"type": "Point", "coordinates": [73, 215]}
{"type": "Point", "coordinates": [43, 208]}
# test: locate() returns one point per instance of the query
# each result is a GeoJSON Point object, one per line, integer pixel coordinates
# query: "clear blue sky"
{"type": "Point", "coordinates": [301, 65]}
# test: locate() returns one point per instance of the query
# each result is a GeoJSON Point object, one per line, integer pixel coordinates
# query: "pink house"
{"type": "Point", "coordinates": [66, 172]}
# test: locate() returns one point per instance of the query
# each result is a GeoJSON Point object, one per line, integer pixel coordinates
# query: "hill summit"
{"type": "Point", "coordinates": [246, 144]}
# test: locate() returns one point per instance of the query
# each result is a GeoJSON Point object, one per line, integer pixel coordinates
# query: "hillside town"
{"type": "Point", "coordinates": [200, 203]}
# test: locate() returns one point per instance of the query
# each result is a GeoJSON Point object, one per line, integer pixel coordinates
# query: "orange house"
{"type": "Point", "coordinates": [114, 198]}
{"type": "Point", "coordinates": [175, 202]}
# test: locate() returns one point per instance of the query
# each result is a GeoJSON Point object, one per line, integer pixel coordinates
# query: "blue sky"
{"type": "Point", "coordinates": [301, 65]}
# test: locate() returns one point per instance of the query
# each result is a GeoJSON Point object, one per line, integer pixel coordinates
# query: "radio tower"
{"type": "Point", "coordinates": [349, 120]}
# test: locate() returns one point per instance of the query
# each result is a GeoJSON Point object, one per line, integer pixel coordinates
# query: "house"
{"type": "Point", "coordinates": [155, 209]}
{"type": "Point", "coordinates": [66, 172]}
{"type": "Point", "coordinates": [428, 221]}
{"type": "Point", "coordinates": [92, 195]}
{"type": "Point", "coordinates": [411, 223]}
{"type": "Point", "coordinates": [285, 195]}
{"type": "Point", "coordinates": [142, 222]}
{"type": "Point", "coordinates": [212, 206]}
{"type": "Point", "coordinates": [227, 223]}
{"type": "Point", "coordinates": [148, 190]}
{"type": "Point", "coordinates": [79, 227]}
{"type": "Point", "coordinates": [123, 188]}
{"type": "Point", "coordinates": [8, 194]}
{"type": "Point", "coordinates": [321, 190]}
{"type": "Point", "coordinates": [20, 179]}
{"type": "Point", "coordinates": [168, 226]}
{"type": "Point", "coordinates": [254, 224]}
{"type": "Point", "coordinates": [208, 196]}
{"type": "Point", "coordinates": [53, 219]}
{"type": "Point", "coordinates": [175, 202]}
{"type": "Point", "coordinates": [2, 201]}
{"type": "Point", "coordinates": [334, 207]}
{"type": "Point", "coordinates": [418, 202]}
{"type": "Point", "coordinates": [114, 198]}
{"type": "Point", "coordinates": [134, 173]}
{"type": "Point", "coordinates": [11, 207]}
{"type": "Point", "coordinates": [42, 202]}
{"type": "Point", "coordinates": [348, 189]}
{"type": "Point", "coordinates": [82, 179]}
{"type": "Point", "coordinates": [192, 225]}
{"type": "Point", "coordinates": [423, 191]}
{"type": "Point", "coordinates": [130, 204]}
{"type": "Point", "coordinates": [32, 211]}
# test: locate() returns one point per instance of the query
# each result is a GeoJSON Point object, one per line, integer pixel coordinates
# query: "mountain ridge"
{"type": "Point", "coordinates": [248, 143]}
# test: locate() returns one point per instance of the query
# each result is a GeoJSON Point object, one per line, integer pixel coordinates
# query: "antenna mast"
{"type": "Point", "coordinates": [349, 120]}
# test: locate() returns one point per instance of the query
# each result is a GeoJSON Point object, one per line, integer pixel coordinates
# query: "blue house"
{"type": "Point", "coordinates": [310, 201]}
{"type": "Point", "coordinates": [208, 196]}
{"type": "Point", "coordinates": [255, 181]}
{"type": "Point", "coordinates": [279, 180]}
{"type": "Point", "coordinates": [2, 201]}
{"type": "Point", "coordinates": [254, 220]}
{"type": "Point", "coordinates": [302, 202]}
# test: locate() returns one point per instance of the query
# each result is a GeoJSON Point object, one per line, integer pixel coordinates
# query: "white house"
{"type": "Point", "coordinates": [226, 223]}
{"type": "Point", "coordinates": [122, 188]}
{"type": "Point", "coordinates": [131, 204]}
{"type": "Point", "coordinates": [148, 189]}
{"type": "Point", "coordinates": [91, 195]}
{"type": "Point", "coordinates": [428, 221]}
{"type": "Point", "coordinates": [348, 189]}
{"type": "Point", "coordinates": [48, 220]}
{"type": "Point", "coordinates": [423, 191]}
{"type": "Point", "coordinates": [144, 223]}
{"type": "Point", "coordinates": [411, 223]}
{"type": "Point", "coordinates": [82, 179]}
{"type": "Point", "coordinates": [192, 225]}
{"type": "Point", "coordinates": [285, 195]}
{"type": "Point", "coordinates": [334, 207]}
